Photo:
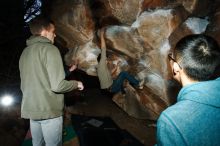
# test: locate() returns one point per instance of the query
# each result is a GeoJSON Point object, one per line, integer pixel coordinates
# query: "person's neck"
{"type": "Point", "coordinates": [185, 80]}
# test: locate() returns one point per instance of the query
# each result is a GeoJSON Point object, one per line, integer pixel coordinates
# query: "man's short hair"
{"type": "Point", "coordinates": [38, 24]}
{"type": "Point", "coordinates": [199, 56]}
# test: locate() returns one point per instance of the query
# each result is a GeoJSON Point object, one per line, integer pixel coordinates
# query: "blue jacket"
{"type": "Point", "coordinates": [195, 119]}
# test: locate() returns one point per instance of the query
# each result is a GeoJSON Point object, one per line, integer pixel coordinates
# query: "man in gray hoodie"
{"type": "Point", "coordinates": [43, 84]}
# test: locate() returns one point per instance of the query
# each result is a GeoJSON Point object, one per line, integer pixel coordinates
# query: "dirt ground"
{"type": "Point", "coordinates": [94, 103]}
{"type": "Point", "coordinates": [91, 102]}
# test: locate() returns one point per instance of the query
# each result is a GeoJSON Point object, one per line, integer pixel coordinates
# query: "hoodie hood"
{"type": "Point", "coordinates": [37, 39]}
{"type": "Point", "coordinates": [207, 92]}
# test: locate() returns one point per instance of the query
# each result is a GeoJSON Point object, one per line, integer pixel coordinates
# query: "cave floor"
{"type": "Point", "coordinates": [94, 103]}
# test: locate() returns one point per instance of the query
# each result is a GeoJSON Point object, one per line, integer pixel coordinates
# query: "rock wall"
{"type": "Point", "coordinates": [139, 33]}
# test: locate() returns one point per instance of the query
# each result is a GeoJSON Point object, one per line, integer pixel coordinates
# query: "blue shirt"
{"type": "Point", "coordinates": [195, 119]}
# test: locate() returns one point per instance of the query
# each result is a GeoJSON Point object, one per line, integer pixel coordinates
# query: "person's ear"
{"type": "Point", "coordinates": [43, 33]}
{"type": "Point", "coordinates": [176, 68]}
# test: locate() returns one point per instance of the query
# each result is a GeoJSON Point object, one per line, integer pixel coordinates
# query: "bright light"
{"type": "Point", "coordinates": [7, 100]}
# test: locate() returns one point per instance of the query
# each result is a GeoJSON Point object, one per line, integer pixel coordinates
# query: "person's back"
{"type": "Point", "coordinates": [194, 119]}
{"type": "Point", "coordinates": [39, 88]}
{"type": "Point", "coordinates": [42, 76]}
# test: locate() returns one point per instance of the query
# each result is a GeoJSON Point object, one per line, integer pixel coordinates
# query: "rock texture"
{"type": "Point", "coordinates": [139, 33]}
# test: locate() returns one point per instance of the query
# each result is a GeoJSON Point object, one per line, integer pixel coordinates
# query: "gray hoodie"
{"type": "Point", "coordinates": [42, 80]}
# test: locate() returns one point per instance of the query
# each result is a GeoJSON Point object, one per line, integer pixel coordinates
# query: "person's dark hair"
{"type": "Point", "coordinates": [199, 56]}
{"type": "Point", "coordinates": [39, 23]}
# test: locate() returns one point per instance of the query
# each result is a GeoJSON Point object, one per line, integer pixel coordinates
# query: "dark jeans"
{"type": "Point", "coordinates": [117, 85]}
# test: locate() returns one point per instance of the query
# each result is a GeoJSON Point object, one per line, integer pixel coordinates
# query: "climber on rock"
{"type": "Point", "coordinates": [112, 79]}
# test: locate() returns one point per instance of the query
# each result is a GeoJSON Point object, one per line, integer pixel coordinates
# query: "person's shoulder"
{"type": "Point", "coordinates": [178, 111]}
{"type": "Point", "coordinates": [179, 106]}
{"type": "Point", "coordinates": [50, 46]}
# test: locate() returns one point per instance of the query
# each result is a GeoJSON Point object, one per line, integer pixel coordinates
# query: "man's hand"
{"type": "Point", "coordinates": [80, 85]}
{"type": "Point", "coordinates": [73, 66]}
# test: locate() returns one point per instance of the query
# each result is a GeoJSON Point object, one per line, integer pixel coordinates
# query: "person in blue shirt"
{"type": "Point", "coordinates": [195, 119]}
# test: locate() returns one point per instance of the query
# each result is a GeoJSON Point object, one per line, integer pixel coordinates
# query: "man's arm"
{"type": "Point", "coordinates": [71, 68]}
{"type": "Point", "coordinates": [103, 45]}
{"type": "Point", "coordinates": [54, 66]}
{"type": "Point", "coordinates": [73, 65]}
